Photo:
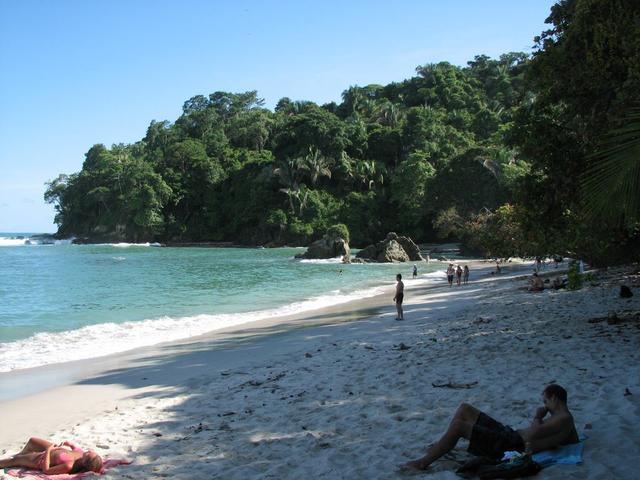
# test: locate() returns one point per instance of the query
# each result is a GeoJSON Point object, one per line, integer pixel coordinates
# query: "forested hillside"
{"type": "Point", "coordinates": [496, 154]}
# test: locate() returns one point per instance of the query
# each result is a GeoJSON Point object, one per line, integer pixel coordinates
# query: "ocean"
{"type": "Point", "coordinates": [61, 302]}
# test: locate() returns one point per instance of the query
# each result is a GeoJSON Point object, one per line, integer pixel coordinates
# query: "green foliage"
{"type": "Point", "coordinates": [499, 234]}
{"type": "Point", "coordinates": [339, 230]}
{"type": "Point", "coordinates": [448, 223]}
{"type": "Point", "coordinates": [409, 187]}
{"type": "Point", "coordinates": [582, 78]}
{"type": "Point", "coordinates": [612, 181]}
{"type": "Point", "coordinates": [574, 277]}
{"type": "Point", "coordinates": [361, 212]}
{"type": "Point", "coordinates": [388, 157]}
{"type": "Point", "coordinates": [300, 232]}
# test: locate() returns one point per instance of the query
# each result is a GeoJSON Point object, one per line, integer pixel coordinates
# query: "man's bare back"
{"type": "Point", "coordinates": [558, 428]}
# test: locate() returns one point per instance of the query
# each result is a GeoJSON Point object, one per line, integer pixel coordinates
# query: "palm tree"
{"type": "Point", "coordinates": [289, 174]}
{"type": "Point", "coordinates": [291, 194]}
{"type": "Point", "coordinates": [316, 165]}
{"type": "Point", "coordinates": [388, 113]}
{"type": "Point", "coordinates": [496, 161]}
{"type": "Point", "coordinates": [352, 98]}
{"type": "Point", "coordinates": [611, 183]}
{"type": "Point", "coordinates": [369, 172]}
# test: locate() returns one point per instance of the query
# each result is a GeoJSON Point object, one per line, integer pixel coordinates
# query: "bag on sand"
{"type": "Point", "coordinates": [515, 468]}
{"type": "Point", "coordinates": [625, 292]}
{"type": "Point", "coordinates": [470, 468]}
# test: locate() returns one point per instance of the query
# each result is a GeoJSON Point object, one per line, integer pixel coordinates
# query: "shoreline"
{"type": "Point", "coordinates": [77, 343]}
{"type": "Point", "coordinates": [266, 395]}
{"type": "Point", "coordinates": [18, 382]}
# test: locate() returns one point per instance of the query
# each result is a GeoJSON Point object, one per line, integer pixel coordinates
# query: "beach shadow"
{"type": "Point", "coordinates": [232, 408]}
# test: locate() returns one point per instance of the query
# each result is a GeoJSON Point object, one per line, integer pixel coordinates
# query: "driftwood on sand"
{"type": "Point", "coordinates": [454, 385]}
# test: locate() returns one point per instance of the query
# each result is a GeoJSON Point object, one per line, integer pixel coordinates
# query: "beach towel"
{"type": "Point", "coordinates": [565, 455]}
{"type": "Point", "coordinates": [23, 472]}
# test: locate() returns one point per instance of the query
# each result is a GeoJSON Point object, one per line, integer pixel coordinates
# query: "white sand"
{"type": "Point", "coordinates": [344, 401]}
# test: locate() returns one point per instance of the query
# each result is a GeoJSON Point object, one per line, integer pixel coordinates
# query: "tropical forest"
{"type": "Point", "coordinates": [526, 154]}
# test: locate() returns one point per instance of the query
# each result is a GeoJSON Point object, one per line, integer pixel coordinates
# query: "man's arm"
{"type": "Point", "coordinates": [538, 418]}
{"type": "Point", "coordinates": [552, 426]}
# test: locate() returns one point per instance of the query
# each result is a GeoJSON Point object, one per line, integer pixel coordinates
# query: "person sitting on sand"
{"type": "Point", "coordinates": [537, 285]}
{"type": "Point", "coordinates": [551, 427]}
{"type": "Point", "coordinates": [557, 283]}
{"type": "Point", "coordinates": [52, 459]}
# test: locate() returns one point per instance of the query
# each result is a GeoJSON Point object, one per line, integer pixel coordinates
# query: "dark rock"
{"type": "Point", "coordinates": [361, 260]}
{"type": "Point", "coordinates": [392, 249]}
{"type": "Point", "coordinates": [625, 292]}
{"type": "Point", "coordinates": [368, 253]}
{"type": "Point", "coordinates": [412, 250]}
{"type": "Point", "coordinates": [612, 318]}
{"type": "Point", "coordinates": [327, 247]}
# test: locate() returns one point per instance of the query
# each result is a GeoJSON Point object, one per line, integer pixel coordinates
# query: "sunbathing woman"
{"type": "Point", "coordinates": [39, 454]}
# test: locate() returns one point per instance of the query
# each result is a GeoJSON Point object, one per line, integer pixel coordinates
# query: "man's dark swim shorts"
{"type": "Point", "coordinates": [490, 438]}
{"type": "Point", "coordinates": [399, 297]}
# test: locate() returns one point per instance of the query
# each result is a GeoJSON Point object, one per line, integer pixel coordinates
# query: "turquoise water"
{"type": "Point", "coordinates": [58, 302]}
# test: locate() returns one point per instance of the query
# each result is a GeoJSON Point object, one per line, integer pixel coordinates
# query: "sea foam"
{"type": "Point", "coordinates": [93, 341]}
{"type": "Point", "coordinates": [20, 240]}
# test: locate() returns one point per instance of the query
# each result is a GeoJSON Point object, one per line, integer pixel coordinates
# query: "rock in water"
{"type": "Point", "coordinates": [412, 250]}
{"type": "Point", "coordinates": [392, 249]}
{"type": "Point", "coordinates": [327, 247]}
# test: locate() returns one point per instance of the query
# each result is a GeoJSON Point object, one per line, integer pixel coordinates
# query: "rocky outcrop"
{"type": "Point", "coordinates": [327, 247]}
{"type": "Point", "coordinates": [412, 250]}
{"type": "Point", "coordinates": [392, 249]}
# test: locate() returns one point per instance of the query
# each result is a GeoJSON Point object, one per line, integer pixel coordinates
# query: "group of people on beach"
{"type": "Point", "coordinates": [461, 274]}
{"type": "Point", "coordinates": [536, 284]}
{"type": "Point", "coordinates": [552, 425]}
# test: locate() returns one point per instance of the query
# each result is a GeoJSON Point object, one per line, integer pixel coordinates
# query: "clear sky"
{"type": "Point", "coordinates": [74, 73]}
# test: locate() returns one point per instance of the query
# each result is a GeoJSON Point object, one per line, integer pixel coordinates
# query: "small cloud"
{"type": "Point", "coordinates": [30, 201]}
{"type": "Point", "coordinates": [4, 205]}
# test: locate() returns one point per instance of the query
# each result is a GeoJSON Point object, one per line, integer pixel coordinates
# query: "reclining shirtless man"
{"type": "Point", "coordinates": [551, 427]}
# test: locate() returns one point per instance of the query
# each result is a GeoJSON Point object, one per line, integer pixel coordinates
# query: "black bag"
{"type": "Point", "coordinates": [470, 468]}
{"type": "Point", "coordinates": [625, 292]}
{"type": "Point", "coordinates": [514, 468]}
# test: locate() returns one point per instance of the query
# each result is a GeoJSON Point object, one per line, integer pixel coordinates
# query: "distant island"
{"type": "Point", "coordinates": [511, 156]}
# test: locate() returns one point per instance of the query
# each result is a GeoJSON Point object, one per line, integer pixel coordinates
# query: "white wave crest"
{"type": "Point", "coordinates": [32, 241]}
{"type": "Point", "coordinates": [108, 338]}
{"type": "Point", "coordinates": [323, 260]}
{"type": "Point", "coordinates": [125, 245]}
{"type": "Point", "coordinates": [12, 241]}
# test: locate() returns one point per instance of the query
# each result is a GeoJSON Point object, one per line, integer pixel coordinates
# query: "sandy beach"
{"type": "Point", "coordinates": [348, 392]}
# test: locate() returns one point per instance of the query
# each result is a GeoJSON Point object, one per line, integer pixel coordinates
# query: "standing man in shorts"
{"type": "Point", "coordinates": [551, 427]}
{"type": "Point", "coordinates": [450, 273]}
{"type": "Point", "coordinates": [399, 297]}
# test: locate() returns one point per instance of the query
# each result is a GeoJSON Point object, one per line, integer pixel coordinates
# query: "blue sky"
{"type": "Point", "coordinates": [76, 73]}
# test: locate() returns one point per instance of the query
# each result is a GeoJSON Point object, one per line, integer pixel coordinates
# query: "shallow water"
{"type": "Point", "coordinates": [67, 302]}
